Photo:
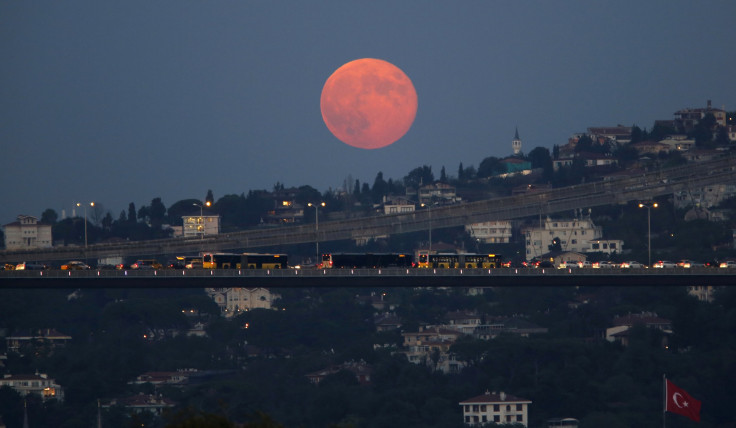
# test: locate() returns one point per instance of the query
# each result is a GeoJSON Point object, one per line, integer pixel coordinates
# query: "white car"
{"type": "Point", "coordinates": [728, 264]}
{"type": "Point", "coordinates": [604, 265]}
{"type": "Point", "coordinates": [664, 264]}
{"type": "Point", "coordinates": [631, 264]}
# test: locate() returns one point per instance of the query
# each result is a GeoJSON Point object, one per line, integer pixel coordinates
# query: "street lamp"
{"type": "Point", "coordinates": [316, 225]}
{"type": "Point", "coordinates": [79, 204]}
{"type": "Point", "coordinates": [649, 206]}
{"type": "Point", "coordinates": [429, 209]}
{"type": "Point", "coordinates": [201, 219]}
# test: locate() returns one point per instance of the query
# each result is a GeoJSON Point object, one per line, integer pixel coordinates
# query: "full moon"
{"type": "Point", "coordinates": [368, 103]}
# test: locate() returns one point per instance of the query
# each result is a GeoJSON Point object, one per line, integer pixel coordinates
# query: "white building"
{"type": "Point", "coordinates": [575, 235]}
{"type": "Point", "coordinates": [234, 301]}
{"type": "Point", "coordinates": [398, 205]}
{"type": "Point", "coordinates": [704, 197]}
{"type": "Point", "coordinates": [490, 232]}
{"type": "Point", "coordinates": [498, 408]}
{"type": "Point", "coordinates": [142, 403]}
{"type": "Point", "coordinates": [430, 346]}
{"type": "Point", "coordinates": [197, 226]}
{"type": "Point", "coordinates": [39, 384]}
{"type": "Point", "coordinates": [27, 234]}
{"type": "Point", "coordinates": [606, 246]}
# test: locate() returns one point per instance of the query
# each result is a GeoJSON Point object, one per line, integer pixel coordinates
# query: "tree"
{"type": "Point", "coordinates": [490, 166]}
{"type": "Point", "coordinates": [96, 212]}
{"type": "Point", "coordinates": [540, 157]}
{"type": "Point", "coordinates": [190, 418]}
{"type": "Point", "coordinates": [703, 130]}
{"type": "Point", "coordinates": [660, 131]}
{"type": "Point", "coordinates": [181, 209]}
{"type": "Point", "coordinates": [49, 216]}
{"type": "Point", "coordinates": [107, 221]}
{"type": "Point", "coordinates": [132, 214]}
{"type": "Point", "coordinates": [626, 154]}
{"type": "Point", "coordinates": [584, 144]}
{"type": "Point", "coordinates": [209, 198]}
{"type": "Point", "coordinates": [556, 244]}
{"type": "Point", "coordinates": [307, 194]}
{"type": "Point", "coordinates": [638, 135]}
{"type": "Point", "coordinates": [157, 213]}
{"type": "Point", "coordinates": [443, 175]}
{"type": "Point", "coordinates": [419, 176]}
{"type": "Point", "coordinates": [380, 188]}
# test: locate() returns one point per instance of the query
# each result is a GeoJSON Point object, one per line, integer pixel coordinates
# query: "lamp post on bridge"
{"type": "Point", "coordinates": [91, 204]}
{"type": "Point", "coordinates": [201, 215]}
{"type": "Point", "coordinates": [649, 206]}
{"type": "Point", "coordinates": [429, 211]}
{"type": "Point", "coordinates": [316, 226]}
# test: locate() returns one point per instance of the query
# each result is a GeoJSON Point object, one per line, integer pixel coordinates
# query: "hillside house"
{"type": "Point", "coordinates": [498, 408]}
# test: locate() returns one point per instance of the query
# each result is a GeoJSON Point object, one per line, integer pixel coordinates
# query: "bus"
{"type": "Point", "coordinates": [244, 261]}
{"type": "Point", "coordinates": [220, 261]}
{"type": "Point", "coordinates": [264, 261]}
{"type": "Point", "coordinates": [426, 259]}
{"type": "Point", "coordinates": [365, 260]}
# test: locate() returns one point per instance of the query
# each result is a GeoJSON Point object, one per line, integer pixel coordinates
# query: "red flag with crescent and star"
{"type": "Point", "coordinates": [680, 402]}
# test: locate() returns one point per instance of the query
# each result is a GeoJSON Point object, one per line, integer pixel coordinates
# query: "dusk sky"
{"type": "Point", "coordinates": [118, 102]}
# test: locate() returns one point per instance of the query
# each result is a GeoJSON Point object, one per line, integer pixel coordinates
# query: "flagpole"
{"type": "Point", "coordinates": [664, 395]}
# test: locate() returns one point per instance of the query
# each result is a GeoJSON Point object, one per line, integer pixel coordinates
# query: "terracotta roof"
{"type": "Point", "coordinates": [25, 377]}
{"type": "Point", "coordinates": [645, 318]}
{"type": "Point", "coordinates": [493, 397]}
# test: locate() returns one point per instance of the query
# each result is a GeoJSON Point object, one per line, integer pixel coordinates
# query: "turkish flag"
{"type": "Point", "coordinates": [680, 402]}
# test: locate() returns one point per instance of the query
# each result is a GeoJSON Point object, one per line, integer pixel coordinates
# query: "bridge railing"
{"type": "Point", "coordinates": [7, 276]}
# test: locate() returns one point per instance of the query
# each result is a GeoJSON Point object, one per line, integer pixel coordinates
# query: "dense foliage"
{"type": "Point", "coordinates": [568, 372]}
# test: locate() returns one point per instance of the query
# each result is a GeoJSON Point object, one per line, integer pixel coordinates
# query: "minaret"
{"type": "Point", "coordinates": [516, 143]}
{"type": "Point", "coordinates": [25, 414]}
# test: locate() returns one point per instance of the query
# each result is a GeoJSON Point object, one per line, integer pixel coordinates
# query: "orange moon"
{"type": "Point", "coordinates": [368, 103]}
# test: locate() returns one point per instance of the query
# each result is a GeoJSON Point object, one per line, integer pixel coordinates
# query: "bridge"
{"type": "Point", "coordinates": [616, 191]}
{"type": "Point", "coordinates": [385, 278]}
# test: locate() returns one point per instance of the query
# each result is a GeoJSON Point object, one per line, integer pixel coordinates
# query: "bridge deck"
{"type": "Point", "coordinates": [387, 277]}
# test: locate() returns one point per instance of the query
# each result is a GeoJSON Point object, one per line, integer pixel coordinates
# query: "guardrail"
{"type": "Point", "coordinates": [389, 277]}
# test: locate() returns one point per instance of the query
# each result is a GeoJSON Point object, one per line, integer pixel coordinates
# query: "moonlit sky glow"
{"type": "Point", "coordinates": [118, 102]}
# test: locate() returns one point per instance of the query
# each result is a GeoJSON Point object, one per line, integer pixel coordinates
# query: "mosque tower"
{"type": "Point", "coordinates": [516, 143]}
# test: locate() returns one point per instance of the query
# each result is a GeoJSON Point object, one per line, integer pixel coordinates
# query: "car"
{"type": "Point", "coordinates": [604, 265]}
{"type": "Point", "coordinates": [75, 265]}
{"type": "Point", "coordinates": [712, 263]}
{"type": "Point", "coordinates": [30, 266]}
{"type": "Point", "coordinates": [663, 264]}
{"type": "Point", "coordinates": [631, 264]}
{"type": "Point", "coordinates": [728, 264]}
{"type": "Point", "coordinates": [146, 264]}
{"type": "Point", "coordinates": [584, 264]}
{"type": "Point", "coordinates": [687, 264]}
{"type": "Point", "coordinates": [194, 264]}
